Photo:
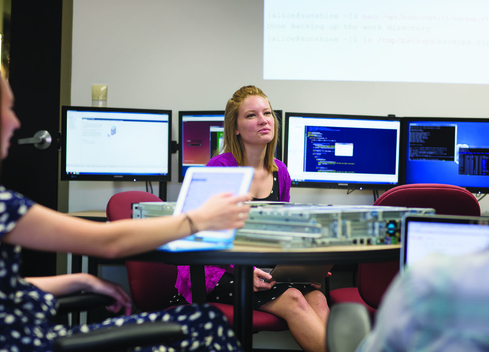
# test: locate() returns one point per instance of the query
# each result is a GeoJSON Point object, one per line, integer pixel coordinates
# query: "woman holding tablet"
{"type": "Point", "coordinates": [250, 139]}
{"type": "Point", "coordinates": [28, 305]}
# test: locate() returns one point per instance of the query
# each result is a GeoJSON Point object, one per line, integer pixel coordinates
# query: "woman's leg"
{"type": "Point", "coordinates": [318, 303]}
{"type": "Point", "coordinates": [307, 327]}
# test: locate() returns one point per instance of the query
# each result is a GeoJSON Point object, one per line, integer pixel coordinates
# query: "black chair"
{"type": "Point", "coordinates": [119, 338]}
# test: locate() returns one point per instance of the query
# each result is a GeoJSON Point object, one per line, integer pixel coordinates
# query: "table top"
{"type": "Point", "coordinates": [245, 254]}
{"type": "Point", "coordinates": [267, 255]}
{"type": "Point", "coordinates": [89, 213]}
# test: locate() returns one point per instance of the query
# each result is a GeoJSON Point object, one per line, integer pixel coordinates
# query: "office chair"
{"type": "Point", "coordinates": [111, 339]}
{"type": "Point", "coordinates": [374, 278]}
{"type": "Point", "coordinates": [152, 284]}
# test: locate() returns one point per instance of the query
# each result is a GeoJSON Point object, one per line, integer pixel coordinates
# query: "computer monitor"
{"type": "Point", "coordinates": [447, 150]}
{"type": "Point", "coordinates": [201, 135]}
{"type": "Point", "coordinates": [115, 144]}
{"type": "Point", "coordinates": [342, 151]}
{"type": "Point", "coordinates": [424, 235]}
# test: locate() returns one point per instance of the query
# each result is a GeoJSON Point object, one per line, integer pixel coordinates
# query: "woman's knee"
{"type": "Point", "coordinates": [316, 295]}
{"type": "Point", "coordinates": [295, 297]}
{"type": "Point", "coordinates": [293, 293]}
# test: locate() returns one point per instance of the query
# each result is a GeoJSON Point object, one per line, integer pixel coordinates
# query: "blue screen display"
{"type": "Point", "coordinates": [322, 142]}
{"type": "Point", "coordinates": [342, 151]}
{"type": "Point", "coordinates": [447, 151]}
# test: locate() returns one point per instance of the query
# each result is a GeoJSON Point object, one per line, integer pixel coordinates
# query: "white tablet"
{"type": "Point", "coordinates": [198, 185]}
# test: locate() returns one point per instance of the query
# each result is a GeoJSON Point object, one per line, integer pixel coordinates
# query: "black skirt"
{"type": "Point", "coordinates": [224, 292]}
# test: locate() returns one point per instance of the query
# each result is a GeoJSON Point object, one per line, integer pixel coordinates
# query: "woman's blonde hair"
{"type": "Point", "coordinates": [232, 142]}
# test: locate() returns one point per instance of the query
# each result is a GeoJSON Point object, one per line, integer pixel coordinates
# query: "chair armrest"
{"type": "Point", "coordinates": [121, 337]}
{"type": "Point", "coordinates": [81, 302]}
{"type": "Point", "coordinates": [348, 324]}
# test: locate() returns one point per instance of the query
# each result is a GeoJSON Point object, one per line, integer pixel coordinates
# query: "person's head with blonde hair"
{"type": "Point", "coordinates": [233, 142]}
{"type": "Point", "coordinates": [9, 121]}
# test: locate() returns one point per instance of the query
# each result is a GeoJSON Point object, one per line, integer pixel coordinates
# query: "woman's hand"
{"type": "Point", "coordinates": [317, 286]}
{"type": "Point", "coordinates": [262, 281]}
{"type": "Point", "coordinates": [61, 285]}
{"type": "Point", "coordinates": [122, 299]}
{"type": "Point", "coordinates": [220, 212]}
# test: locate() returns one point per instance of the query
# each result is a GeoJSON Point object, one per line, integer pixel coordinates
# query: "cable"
{"type": "Point", "coordinates": [148, 183]}
{"type": "Point", "coordinates": [376, 194]}
{"type": "Point", "coordinates": [481, 197]}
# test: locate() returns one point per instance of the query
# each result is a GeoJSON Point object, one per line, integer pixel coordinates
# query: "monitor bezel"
{"type": "Point", "coordinates": [433, 218]}
{"type": "Point", "coordinates": [278, 114]}
{"type": "Point", "coordinates": [111, 177]}
{"type": "Point", "coordinates": [180, 133]}
{"type": "Point", "coordinates": [341, 184]}
{"type": "Point", "coordinates": [405, 133]}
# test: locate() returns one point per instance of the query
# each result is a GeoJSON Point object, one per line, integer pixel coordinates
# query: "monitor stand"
{"type": "Point", "coordinates": [162, 192]}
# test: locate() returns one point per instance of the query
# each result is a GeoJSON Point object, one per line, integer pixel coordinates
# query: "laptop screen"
{"type": "Point", "coordinates": [425, 235]}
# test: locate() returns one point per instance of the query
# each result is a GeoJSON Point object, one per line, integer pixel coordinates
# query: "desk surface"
{"type": "Point", "coordinates": [262, 255]}
{"type": "Point", "coordinates": [89, 214]}
{"type": "Point", "coordinates": [93, 215]}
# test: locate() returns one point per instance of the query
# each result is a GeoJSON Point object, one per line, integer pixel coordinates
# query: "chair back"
{"type": "Point", "coordinates": [374, 278]}
{"type": "Point", "coordinates": [152, 284]}
{"type": "Point", "coordinates": [120, 204]}
{"type": "Point", "coordinates": [445, 199]}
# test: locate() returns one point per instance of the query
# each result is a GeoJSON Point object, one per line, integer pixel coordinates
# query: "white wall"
{"type": "Point", "coordinates": [192, 55]}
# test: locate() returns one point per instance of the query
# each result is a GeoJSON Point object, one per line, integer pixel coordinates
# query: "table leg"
{"type": "Point", "coordinates": [197, 278]}
{"type": "Point", "coordinates": [243, 305]}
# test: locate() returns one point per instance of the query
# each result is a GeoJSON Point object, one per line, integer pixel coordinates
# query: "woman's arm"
{"type": "Point", "coordinates": [45, 229]}
{"type": "Point", "coordinates": [66, 284]}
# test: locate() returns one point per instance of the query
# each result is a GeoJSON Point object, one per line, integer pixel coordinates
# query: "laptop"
{"type": "Point", "coordinates": [422, 235]}
{"type": "Point", "coordinates": [198, 185]}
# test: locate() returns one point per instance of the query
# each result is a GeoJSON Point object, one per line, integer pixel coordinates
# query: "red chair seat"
{"type": "Point", "coordinates": [262, 321]}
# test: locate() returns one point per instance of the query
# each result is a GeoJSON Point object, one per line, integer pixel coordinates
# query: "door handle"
{"type": "Point", "coordinates": [41, 140]}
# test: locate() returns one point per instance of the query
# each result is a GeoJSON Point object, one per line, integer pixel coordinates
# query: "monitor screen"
{"type": "Point", "coordinates": [201, 135]}
{"type": "Point", "coordinates": [342, 151]}
{"type": "Point", "coordinates": [448, 150]}
{"type": "Point", "coordinates": [115, 144]}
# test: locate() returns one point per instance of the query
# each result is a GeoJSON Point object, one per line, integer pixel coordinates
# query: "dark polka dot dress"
{"type": "Point", "coordinates": [223, 292]}
{"type": "Point", "coordinates": [27, 313]}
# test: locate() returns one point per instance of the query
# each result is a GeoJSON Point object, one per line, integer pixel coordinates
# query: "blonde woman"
{"type": "Point", "coordinates": [250, 139]}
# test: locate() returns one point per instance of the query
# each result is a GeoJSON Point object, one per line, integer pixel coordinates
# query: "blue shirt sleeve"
{"type": "Point", "coordinates": [13, 206]}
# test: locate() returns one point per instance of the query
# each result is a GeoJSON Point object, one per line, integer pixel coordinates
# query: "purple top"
{"type": "Point", "coordinates": [227, 159]}
{"type": "Point", "coordinates": [213, 273]}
